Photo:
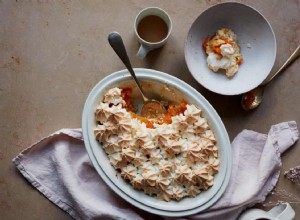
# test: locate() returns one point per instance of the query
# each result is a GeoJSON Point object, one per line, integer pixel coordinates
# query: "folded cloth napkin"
{"type": "Point", "coordinates": [59, 167]}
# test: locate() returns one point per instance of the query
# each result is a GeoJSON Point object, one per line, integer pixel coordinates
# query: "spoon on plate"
{"type": "Point", "coordinates": [253, 98]}
{"type": "Point", "coordinates": [151, 108]}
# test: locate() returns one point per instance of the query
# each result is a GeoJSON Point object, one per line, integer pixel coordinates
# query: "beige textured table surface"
{"type": "Point", "coordinates": [53, 52]}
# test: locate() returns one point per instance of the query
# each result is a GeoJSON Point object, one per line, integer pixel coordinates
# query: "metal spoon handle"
{"type": "Point", "coordinates": [116, 42]}
{"type": "Point", "coordinates": [291, 59]}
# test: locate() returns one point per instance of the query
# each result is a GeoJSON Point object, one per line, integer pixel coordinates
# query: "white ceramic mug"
{"type": "Point", "coordinates": [147, 46]}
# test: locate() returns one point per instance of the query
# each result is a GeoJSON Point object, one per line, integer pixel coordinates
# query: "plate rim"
{"type": "Point", "coordinates": [128, 198]}
{"type": "Point", "coordinates": [187, 39]}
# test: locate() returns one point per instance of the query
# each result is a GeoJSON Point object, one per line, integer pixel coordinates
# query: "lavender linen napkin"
{"type": "Point", "coordinates": [59, 167]}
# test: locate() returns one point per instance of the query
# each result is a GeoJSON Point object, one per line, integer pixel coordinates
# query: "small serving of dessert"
{"type": "Point", "coordinates": [223, 52]}
{"type": "Point", "coordinates": [172, 156]}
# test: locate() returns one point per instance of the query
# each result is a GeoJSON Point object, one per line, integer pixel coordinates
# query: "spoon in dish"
{"type": "Point", "coordinates": [151, 108]}
{"type": "Point", "coordinates": [253, 98]}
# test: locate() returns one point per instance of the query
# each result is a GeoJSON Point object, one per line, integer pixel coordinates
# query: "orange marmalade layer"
{"type": "Point", "coordinates": [215, 43]}
{"type": "Point", "coordinates": [172, 110]}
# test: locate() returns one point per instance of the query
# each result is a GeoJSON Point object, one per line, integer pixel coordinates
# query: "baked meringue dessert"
{"type": "Point", "coordinates": [223, 52]}
{"type": "Point", "coordinates": [170, 157]}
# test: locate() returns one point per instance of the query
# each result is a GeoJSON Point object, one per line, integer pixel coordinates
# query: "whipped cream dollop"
{"type": "Point", "coordinates": [169, 161]}
{"type": "Point", "coordinates": [223, 52]}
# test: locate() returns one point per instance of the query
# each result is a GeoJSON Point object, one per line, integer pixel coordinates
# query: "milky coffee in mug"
{"type": "Point", "coordinates": [152, 28]}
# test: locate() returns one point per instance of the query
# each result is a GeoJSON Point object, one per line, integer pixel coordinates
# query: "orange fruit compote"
{"type": "Point", "coordinates": [173, 109]}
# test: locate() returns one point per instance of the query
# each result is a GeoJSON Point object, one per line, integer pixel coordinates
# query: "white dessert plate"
{"type": "Point", "coordinates": [255, 37]}
{"type": "Point", "coordinates": [157, 84]}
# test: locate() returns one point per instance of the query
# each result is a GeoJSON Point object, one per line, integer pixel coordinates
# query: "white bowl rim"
{"type": "Point", "coordinates": [128, 198]}
{"type": "Point", "coordinates": [273, 58]}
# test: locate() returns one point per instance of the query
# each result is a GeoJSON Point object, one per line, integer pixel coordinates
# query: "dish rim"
{"type": "Point", "coordinates": [118, 190]}
{"type": "Point", "coordinates": [273, 58]}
